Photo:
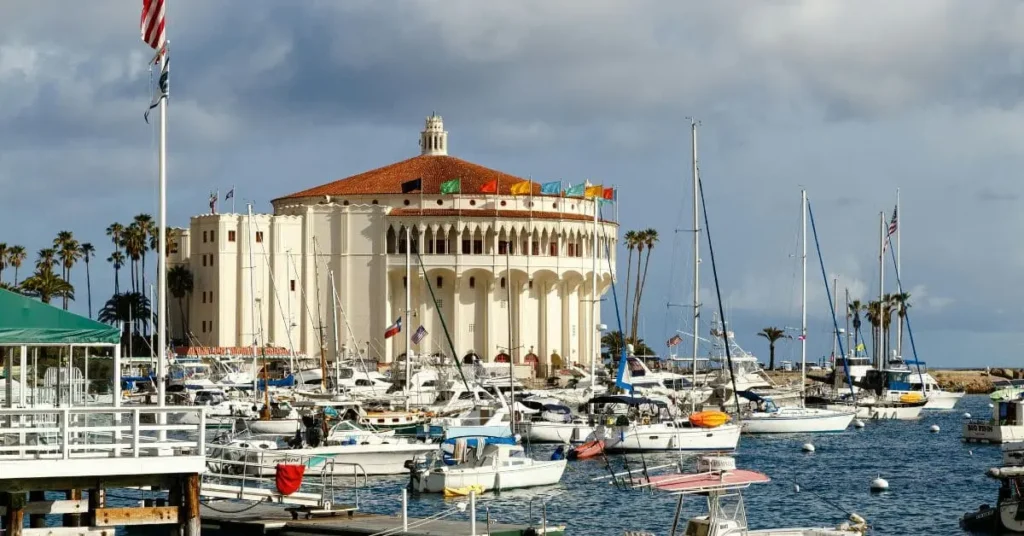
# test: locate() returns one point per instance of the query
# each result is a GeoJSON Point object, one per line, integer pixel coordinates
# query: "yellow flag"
{"type": "Point", "coordinates": [522, 188]}
{"type": "Point", "coordinates": [594, 191]}
{"type": "Point", "coordinates": [860, 347]}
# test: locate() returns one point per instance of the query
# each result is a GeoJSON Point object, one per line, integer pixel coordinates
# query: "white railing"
{"type": "Point", "coordinates": [75, 433]}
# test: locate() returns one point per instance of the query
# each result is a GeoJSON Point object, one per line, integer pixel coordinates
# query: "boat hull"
{"type": "Point", "coordinates": [557, 432]}
{"type": "Point", "coordinates": [281, 427]}
{"type": "Point", "coordinates": [986, 432]}
{"type": "Point", "coordinates": [643, 438]}
{"type": "Point", "coordinates": [796, 422]}
{"type": "Point", "coordinates": [539, 473]}
{"type": "Point", "coordinates": [381, 459]}
{"type": "Point", "coordinates": [943, 400]}
{"type": "Point", "coordinates": [883, 412]}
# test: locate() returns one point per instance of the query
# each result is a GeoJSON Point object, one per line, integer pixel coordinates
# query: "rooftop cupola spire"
{"type": "Point", "coordinates": [434, 139]}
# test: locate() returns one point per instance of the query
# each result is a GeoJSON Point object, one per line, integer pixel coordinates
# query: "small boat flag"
{"type": "Point", "coordinates": [230, 194]}
{"type": "Point", "coordinates": [393, 329]}
{"type": "Point", "coordinates": [418, 336]}
{"type": "Point", "coordinates": [676, 339]}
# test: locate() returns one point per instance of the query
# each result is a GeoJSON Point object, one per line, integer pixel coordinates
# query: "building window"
{"type": "Point", "coordinates": [204, 296]}
{"type": "Point", "coordinates": [472, 328]}
{"type": "Point", "coordinates": [440, 304]}
{"type": "Point", "coordinates": [572, 250]}
{"type": "Point", "coordinates": [292, 285]}
{"type": "Point", "coordinates": [440, 281]}
{"type": "Point", "coordinates": [553, 249]}
{"type": "Point", "coordinates": [535, 249]}
{"type": "Point", "coordinates": [204, 237]}
{"type": "Point", "coordinates": [439, 247]}
{"type": "Point", "coordinates": [530, 285]}
{"type": "Point", "coordinates": [344, 203]}
{"type": "Point", "coordinates": [504, 304]}
{"type": "Point", "coordinates": [465, 247]}
{"type": "Point", "coordinates": [554, 205]}
{"type": "Point", "coordinates": [502, 282]}
{"type": "Point", "coordinates": [211, 296]}
{"type": "Point", "coordinates": [374, 201]}
{"type": "Point", "coordinates": [504, 247]}
{"type": "Point", "coordinates": [502, 203]}
{"type": "Point", "coordinates": [440, 202]}
{"type": "Point", "coordinates": [204, 259]}
{"type": "Point", "coordinates": [573, 330]}
{"type": "Point", "coordinates": [259, 236]}
{"type": "Point", "coordinates": [231, 236]}
{"type": "Point", "coordinates": [406, 202]}
{"type": "Point", "coordinates": [213, 236]}
{"type": "Point", "coordinates": [478, 247]}
{"type": "Point", "coordinates": [472, 202]}
{"type": "Point", "coordinates": [211, 259]}
{"type": "Point", "coordinates": [472, 282]}
{"type": "Point", "coordinates": [174, 247]}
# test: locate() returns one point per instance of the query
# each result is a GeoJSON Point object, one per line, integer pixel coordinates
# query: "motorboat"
{"type": "Point", "coordinates": [221, 411]}
{"type": "Point", "coordinates": [764, 417]}
{"type": "Point", "coordinates": [486, 467]}
{"type": "Point", "coordinates": [1007, 516]}
{"type": "Point", "coordinates": [548, 421]}
{"type": "Point", "coordinates": [721, 484]}
{"type": "Point", "coordinates": [869, 407]}
{"type": "Point", "coordinates": [649, 425]}
{"type": "Point", "coordinates": [1006, 424]}
{"type": "Point", "coordinates": [280, 420]}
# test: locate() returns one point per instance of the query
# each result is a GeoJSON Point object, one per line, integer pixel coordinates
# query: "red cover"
{"type": "Point", "coordinates": [289, 478]}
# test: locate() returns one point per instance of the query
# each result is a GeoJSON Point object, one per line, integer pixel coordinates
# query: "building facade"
{"type": "Point", "coordinates": [507, 276]}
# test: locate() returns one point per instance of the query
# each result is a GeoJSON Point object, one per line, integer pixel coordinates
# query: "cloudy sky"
{"type": "Point", "coordinates": [848, 99]}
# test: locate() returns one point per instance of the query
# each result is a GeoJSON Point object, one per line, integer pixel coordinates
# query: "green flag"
{"type": "Point", "coordinates": [453, 186]}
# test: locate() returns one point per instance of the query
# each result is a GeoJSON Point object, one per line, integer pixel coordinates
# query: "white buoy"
{"type": "Point", "coordinates": [808, 447]}
{"type": "Point", "coordinates": [970, 453]}
{"type": "Point", "coordinates": [990, 406]}
{"type": "Point", "coordinates": [967, 415]}
{"type": "Point", "coordinates": [879, 484]}
{"type": "Point", "coordinates": [857, 423]}
{"type": "Point", "coordinates": [796, 487]}
{"type": "Point", "coordinates": [934, 428]}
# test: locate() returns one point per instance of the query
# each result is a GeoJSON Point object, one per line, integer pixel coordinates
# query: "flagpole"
{"type": "Point", "coordinates": [162, 245]}
{"type": "Point", "coordinates": [899, 274]}
{"type": "Point", "coordinates": [232, 198]}
{"type": "Point", "coordinates": [595, 336]}
{"type": "Point", "coordinates": [408, 308]}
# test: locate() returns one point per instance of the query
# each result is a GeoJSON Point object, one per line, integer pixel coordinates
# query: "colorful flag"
{"type": "Point", "coordinates": [162, 87]}
{"type": "Point", "coordinates": [230, 194]}
{"type": "Point", "coordinates": [892, 229]}
{"type": "Point", "coordinates": [593, 191]}
{"type": "Point", "coordinates": [676, 339]}
{"type": "Point", "coordinates": [576, 191]}
{"type": "Point", "coordinates": [412, 186]}
{"type": "Point", "coordinates": [490, 187]}
{"type": "Point", "coordinates": [213, 202]}
{"type": "Point", "coordinates": [860, 348]}
{"type": "Point", "coordinates": [551, 188]}
{"type": "Point", "coordinates": [393, 329]}
{"type": "Point", "coordinates": [418, 336]}
{"type": "Point", "coordinates": [802, 338]}
{"type": "Point", "coordinates": [453, 186]}
{"type": "Point", "coordinates": [522, 188]}
{"type": "Point", "coordinates": [608, 194]}
{"type": "Point", "coordinates": [152, 24]}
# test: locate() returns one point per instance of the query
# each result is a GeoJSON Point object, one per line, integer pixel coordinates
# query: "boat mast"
{"type": "Point", "coordinates": [803, 296]}
{"type": "Point", "coordinates": [835, 311]}
{"type": "Point", "coordinates": [408, 309]}
{"type": "Point", "coordinates": [511, 361]}
{"type": "Point", "coordinates": [265, 413]}
{"type": "Point", "coordinates": [879, 351]}
{"type": "Point", "coordinates": [696, 266]}
{"type": "Point", "coordinates": [853, 351]}
{"type": "Point", "coordinates": [899, 276]}
{"type": "Point", "coordinates": [596, 335]}
{"type": "Point", "coordinates": [334, 324]}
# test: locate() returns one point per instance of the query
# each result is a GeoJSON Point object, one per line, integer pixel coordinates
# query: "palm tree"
{"type": "Point", "coordinates": [87, 251]}
{"type": "Point", "coordinates": [125, 309]}
{"type": "Point", "coordinates": [631, 239]}
{"type": "Point", "coordinates": [855, 307]}
{"type": "Point", "coordinates": [134, 243]}
{"type": "Point", "coordinates": [181, 283]}
{"type": "Point", "coordinates": [45, 285]}
{"type": "Point", "coordinates": [68, 251]}
{"type": "Point", "coordinates": [47, 259]}
{"type": "Point", "coordinates": [773, 335]}
{"type": "Point", "coordinates": [873, 313]}
{"type": "Point", "coordinates": [117, 259]}
{"type": "Point", "coordinates": [147, 232]}
{"type": "Point", "coordinates": [900, 301]}
{"type": "Point", "coordinates": [639, 245]}
{"type": "Point", "coordinates": [614, 342]}
{"type": "Point", "coordinates": [15, 256]}
{"type": "Point", "coordinates": [650, 237]}
{"type": "Point", "coordinates": [3, 259]}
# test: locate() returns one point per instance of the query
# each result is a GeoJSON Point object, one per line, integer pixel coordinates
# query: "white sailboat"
{"type": "Point", "coordinates": [770, 419]}
{"type": "Point", "coordinates": [492, 467]}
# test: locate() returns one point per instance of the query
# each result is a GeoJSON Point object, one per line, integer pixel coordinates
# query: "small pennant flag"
{"type": "Point", "coordinates": [490, 187]}
{"type": "Point", "coordinates": [393, 329]}
{"type": "Point", "coordinates": [594, 191]}
{"type": "Point", "coordinates": [213, 202]}
{"type": "Point", "coordinates": [522, 188]}
{"type": "Point", "coordinates": [551, 188]}
{"type": "Point", "coordinates": [860, 347]}
{"type": "Point", "coordinates": [576, 191]}
{"type": "Point", "coordinates": [676, 339]}
{"type": "Point", "coordinates": [412, 186]}
{"type": "Point", "coordinates": [802, 338]}
{"type": "Point", "coordinates": [453, 186]}
{"type": "Point", "coordinates": [418, 336]}
{"type": "Point", "coordinates": [230, 194]}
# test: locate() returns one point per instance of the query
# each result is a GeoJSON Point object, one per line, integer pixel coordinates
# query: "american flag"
{"type": "Point", "coordinates": [676, 339]}
{"type": "Point", "coordinates": [419, 334]}
{"type": "Point", "coordinates": [152, 24]}
{"type": "Point", "coordinates": [892, 229]}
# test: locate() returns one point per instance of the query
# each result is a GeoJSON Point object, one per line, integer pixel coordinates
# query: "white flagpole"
{"type": "Point", "coordinates": [232, 198]}
{"type": "Point", "coordinates": [162, 255]}
{"type": "Point", "coordinates": [899, 275]}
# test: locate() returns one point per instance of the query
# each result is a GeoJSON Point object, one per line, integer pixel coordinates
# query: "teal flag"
{"type": "Point", "coordinates": [576, 191]}
{"type": "Point", "coordinates": [551, 188]}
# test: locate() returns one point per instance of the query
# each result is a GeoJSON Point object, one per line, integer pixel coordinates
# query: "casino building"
{"type": "Point", "coordinates": [326, 272]}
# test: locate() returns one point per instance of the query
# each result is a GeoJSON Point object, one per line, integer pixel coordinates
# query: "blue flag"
{"type": "Point", "coordinates": [576, 191]}
{"type": "Point", "coordinates": [551, 188]}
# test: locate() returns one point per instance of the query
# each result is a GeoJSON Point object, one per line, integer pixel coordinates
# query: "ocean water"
{"type": "Point", "coordinates": [933, 477]}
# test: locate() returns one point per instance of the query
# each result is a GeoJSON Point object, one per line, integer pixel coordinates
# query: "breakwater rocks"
{"type": "Point", "coordinates": [970, 381]}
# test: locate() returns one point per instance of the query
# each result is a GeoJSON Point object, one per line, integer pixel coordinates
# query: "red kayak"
{"type": "Point", "coordinates": [587, 450]}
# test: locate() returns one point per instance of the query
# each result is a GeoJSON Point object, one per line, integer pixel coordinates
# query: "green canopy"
{"type": "Point", "coordinates": [27, 321]}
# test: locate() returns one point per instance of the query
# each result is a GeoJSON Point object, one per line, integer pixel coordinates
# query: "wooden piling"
{"type": "Point", "coordinates": [14, 520]}
{"type": "Point", "coordinates": [37, 521]}
{"type": "Point", "coordinates": [189, 511]}
{"type": "Point", "coordinates": [97, 500]}
{"type": "Point", "coordinates": [73, 520]}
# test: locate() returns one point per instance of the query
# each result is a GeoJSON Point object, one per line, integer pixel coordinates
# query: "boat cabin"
{"type": "Point", "coordinates": [1009, 412]}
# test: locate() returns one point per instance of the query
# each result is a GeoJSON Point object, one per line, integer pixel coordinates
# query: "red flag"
{"type": "Point", "coordinates": [609, 194]}
{"type": "Point", "coordinates": [152, 23]}
{"type": "Point", "coordinates": [393, 329]}
{"type": "Point", "coordinates": [491, 187]}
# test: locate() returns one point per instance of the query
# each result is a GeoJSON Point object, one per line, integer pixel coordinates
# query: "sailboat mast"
{"type": "Point", "coordinates": [161, 296]}
{"type": "Point", "coordinates": [252, 311]}
{"type": "Point", "coordinates": [853, 351]}
{"type": "Point", "coordinates": [835, 311]}
{"type": "Point", "coordinates": [596, 335]}
{"type": "Point", "coordinates": [511, 361]}
{"type": "Point", "coordinates": [696, 266]}
{"type": "Point", "coordinates": [408, 310]}
{"type": "Point", "coordinates": [879, 351]}
{"type": "Point", "coordinates": [334, 324]}
{"type": "Point", "coordinates": [803, 295]}
{"type": "Point", "coordinates": [899, 275]}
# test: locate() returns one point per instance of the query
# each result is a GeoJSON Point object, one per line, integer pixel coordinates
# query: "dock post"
{"type": "Point", "coordinates": [188, 514]}
{"type": "Point", "coordinates": [73, 520]}
{"type": "Point", "coordinates": [405, 510]}
{"type": "Point", "coordinates": [14, 520]}
{"type": "Point", "coordinates": [36, 521]}
{"type": "Point", "coordinates": [97, 500]}
{"type": "Point", "coordinates": [472, 513]}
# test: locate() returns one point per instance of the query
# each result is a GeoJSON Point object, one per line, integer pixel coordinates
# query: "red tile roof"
{"type": "Point", "coordinates": [432, 169]}
{"type": "Point", "coordinates": [492, 213]}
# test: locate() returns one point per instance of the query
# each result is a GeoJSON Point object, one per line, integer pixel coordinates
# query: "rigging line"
{"type": "Point", "coordinates": [906, 314]}
{"type": "Point", "coordinates": [718, 293]}
{"type": "Point", "coordinates": [444, 326]}
{"type": "Point", "coordinates": [831, 304]}
{"type": "Point", "coordinates": [305, 300]}
{"type": "Point", "coordinates": [273, 285]}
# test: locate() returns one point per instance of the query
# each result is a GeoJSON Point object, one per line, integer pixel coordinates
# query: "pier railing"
{"type": "Point", "coordinates": [81, 433]}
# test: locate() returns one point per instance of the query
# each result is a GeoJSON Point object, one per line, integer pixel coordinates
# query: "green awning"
{"type": "Point", "coordinates": [24, 320]}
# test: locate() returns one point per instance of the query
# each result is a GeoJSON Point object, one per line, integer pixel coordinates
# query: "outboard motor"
{"type": "Point", "coordinates": [314, 432]}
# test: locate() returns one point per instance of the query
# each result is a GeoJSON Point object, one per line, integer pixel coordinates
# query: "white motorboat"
{"type": "Point", "coordinates": [721, 483]}
{"type": "Point", "coordinates": [551, 422]}
{"type": "Point", "coordinates": [283, 420]}
{"type": "Point", "coordinates": [387, 456]}
{"type": "Point", "coordinates": [771, 419]}
{"type": "Point", "coordinates": [648, 425]}
{"type": "Point", "coordinates": [1005, 426]}
{"type": "Point", "coordinates": [486, 468]}
{"type": "Point", "coordinates": [1005, 517]}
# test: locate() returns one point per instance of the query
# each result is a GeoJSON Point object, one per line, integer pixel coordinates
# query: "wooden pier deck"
{"type": "Point", "coordinates": [267, 520]}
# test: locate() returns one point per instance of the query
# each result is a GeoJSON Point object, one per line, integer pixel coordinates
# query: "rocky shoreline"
{"type": "Point", "coordinates": [973, 382]}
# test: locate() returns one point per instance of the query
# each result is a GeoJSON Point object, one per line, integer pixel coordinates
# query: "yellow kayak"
{"type": "Point", "coordinates": [708, 419]}
{"type": "Point", "coordinates": [464, 491]}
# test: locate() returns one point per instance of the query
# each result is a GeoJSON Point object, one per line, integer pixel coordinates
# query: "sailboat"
{"type": "Point", "coordinates": [770, 419]}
